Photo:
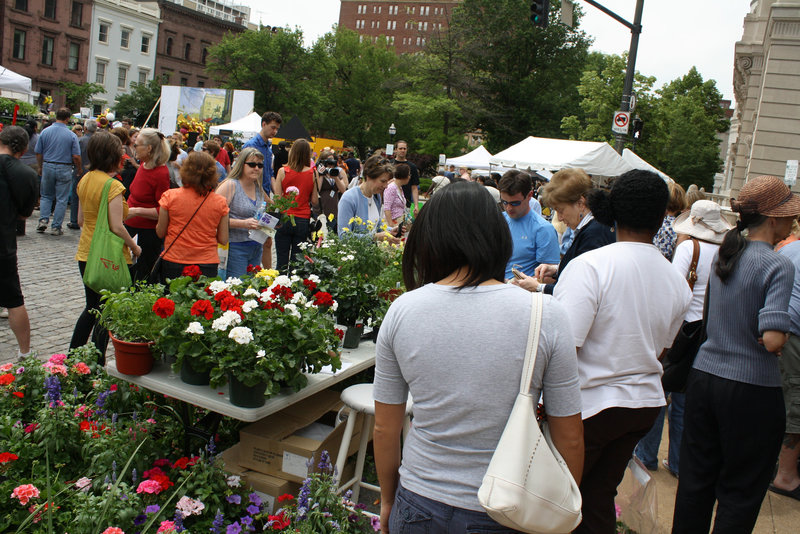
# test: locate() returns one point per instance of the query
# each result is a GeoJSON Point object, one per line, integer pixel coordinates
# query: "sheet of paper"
{"type": "Point", "coordinates": [328, 370]}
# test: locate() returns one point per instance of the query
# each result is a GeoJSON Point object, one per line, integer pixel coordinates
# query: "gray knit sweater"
{"type": "Point", "coordinates": [755, 298]}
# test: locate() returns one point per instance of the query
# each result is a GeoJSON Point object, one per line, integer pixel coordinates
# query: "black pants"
{"type": "Point", "coordinates": [174, 270]}
{"type": "Point", "coordinates": [151, 247]}
{"type": "Point", "coordinates": [731, 440]}
{"type": "Point", "coordinates": [609, 439]}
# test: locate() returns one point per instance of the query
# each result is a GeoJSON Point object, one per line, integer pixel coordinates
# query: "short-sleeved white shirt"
{"type": "Point", "coordinates": [626, 303]}
{"type": "Point", "coordinates": [681, 262]}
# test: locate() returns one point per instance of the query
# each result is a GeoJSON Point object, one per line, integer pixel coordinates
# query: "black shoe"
{"type": "Point", "coordinates": [73, 226]}
{"type": "Point", "coordinates": [41, 227]}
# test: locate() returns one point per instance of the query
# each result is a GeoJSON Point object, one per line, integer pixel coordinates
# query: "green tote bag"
{"type": "Point", "coordinates": [106, 266]}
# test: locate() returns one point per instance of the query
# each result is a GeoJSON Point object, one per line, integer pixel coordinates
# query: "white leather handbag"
{"type": "Point", "coordinates": [528, 486]}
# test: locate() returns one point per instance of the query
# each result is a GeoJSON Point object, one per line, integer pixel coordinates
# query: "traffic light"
{"type": "Point", "coordinates": [539, 11]}
{"type": "Point", "coordinates": [636, 128]}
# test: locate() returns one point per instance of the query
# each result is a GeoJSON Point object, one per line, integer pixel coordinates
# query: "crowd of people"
{"type": "Point", "coordinates": [622, 270]}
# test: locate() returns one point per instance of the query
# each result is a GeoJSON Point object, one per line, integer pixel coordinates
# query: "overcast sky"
{"type": "Point", "coordinates": [676, 34]}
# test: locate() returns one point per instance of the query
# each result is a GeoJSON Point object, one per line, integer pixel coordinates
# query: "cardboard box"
{"type": "Point", "coordinates": [230, 461]}
{"type": "Point", "coordinates": [269, 488]}
{"type": "Point", "coordinates": [283, 443]}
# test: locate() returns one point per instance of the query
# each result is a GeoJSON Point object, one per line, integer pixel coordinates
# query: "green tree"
{"type": "Point", "coordinates": [79, 95]}
{"type": "Point", "coordinates": [274, 65]}
{"type": "Point", "coordinates": [139, 102]}
{"type": "Point", "coordinates": [681, 133]}
{"type": "Point", "coordinates": [601, 90]}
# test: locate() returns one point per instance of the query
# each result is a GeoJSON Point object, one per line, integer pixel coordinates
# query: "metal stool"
{"type": "Point", "coordinates": [359, 399]}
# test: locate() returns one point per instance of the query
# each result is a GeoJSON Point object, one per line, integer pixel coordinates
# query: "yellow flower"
{"type": "Point", "coordinates": [268, 274]}
{"type": "Point", "coordinates": [370, 225]}
{"type": "Point", "coordinates": [384, 227]}
{"type": "Point", "coordinates": [314, 236]}
{"type": "Point", "coordinates": [345, 229]}
{"type": "Point", "coordinates": [330, 217]}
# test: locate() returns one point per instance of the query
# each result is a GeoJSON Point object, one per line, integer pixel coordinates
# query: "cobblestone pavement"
{"type": "Point", "coordinates": [52, 288]}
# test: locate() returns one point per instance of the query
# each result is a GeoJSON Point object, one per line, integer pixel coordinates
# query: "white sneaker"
{"type": "Point", "coordinates": [3, 313]}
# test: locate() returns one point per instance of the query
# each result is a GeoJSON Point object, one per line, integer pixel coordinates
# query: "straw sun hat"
{"type": "Point", "coordinates": [769, 196]}
{"type": "Point", "coordinates": [704, 221]}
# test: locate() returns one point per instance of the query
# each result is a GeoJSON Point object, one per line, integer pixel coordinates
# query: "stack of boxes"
{"type": "Point", "coordinates": [274, 453]}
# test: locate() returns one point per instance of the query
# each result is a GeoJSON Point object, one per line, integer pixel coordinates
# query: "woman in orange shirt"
{"type": "Point", "coordinates": [193, 243]}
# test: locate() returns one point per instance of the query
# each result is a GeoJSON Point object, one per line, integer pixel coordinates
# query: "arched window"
{"type": "Point", "coordinates": [186, 51]}
{"type": "Point", "coordinates": [169, 46]}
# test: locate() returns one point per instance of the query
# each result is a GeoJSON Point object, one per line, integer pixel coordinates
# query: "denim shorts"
{"type": "Point", "coordinates": [415, 514]}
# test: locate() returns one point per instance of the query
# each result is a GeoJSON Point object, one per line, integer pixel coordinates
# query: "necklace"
{"type": "Point", "coordinates": [364, 192]}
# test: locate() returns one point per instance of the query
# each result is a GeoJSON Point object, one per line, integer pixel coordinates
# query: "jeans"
{"type": "Point", "coordinates": [287, 239]}
{"type": "Point", "coordinates": [415, 514]}
{"type": "Point", "coordinates": [647, 449]}
{"type": "Point", "coordinates": [240, 255]}
{"type": "Point", "coordinates": [73, 200]}
{"type": "Point", "coordinates": [56, 185]}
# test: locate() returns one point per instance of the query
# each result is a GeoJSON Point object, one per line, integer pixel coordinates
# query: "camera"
{"type": "Point", "coordinates": [334, 172]}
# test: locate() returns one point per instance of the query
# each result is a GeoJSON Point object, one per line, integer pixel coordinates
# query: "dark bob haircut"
{"type": "Point", "coordinates": [637, 201]}
{"type": "Point", "coordinates": [458, 227]}
{"type": "Point", "coordinates": [105, 152]}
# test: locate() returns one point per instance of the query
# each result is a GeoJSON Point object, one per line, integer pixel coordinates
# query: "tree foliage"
{"type": "Point", "coordinates": [79, 95]}
{"type": "Point", "coordinates": [138, 103]}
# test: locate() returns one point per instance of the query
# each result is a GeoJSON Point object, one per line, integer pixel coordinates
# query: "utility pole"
{"type": "Point", "coordinates": [627, 91]}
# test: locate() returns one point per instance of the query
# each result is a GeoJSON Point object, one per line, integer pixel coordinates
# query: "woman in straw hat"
{"type": "Point", "coordinates": [705, 227]}
{"type": "Point", "coordinates": [735, 417]}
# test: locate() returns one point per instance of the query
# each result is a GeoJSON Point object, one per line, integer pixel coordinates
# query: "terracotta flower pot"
{"type": "Point", "coordinates": [133, 358]}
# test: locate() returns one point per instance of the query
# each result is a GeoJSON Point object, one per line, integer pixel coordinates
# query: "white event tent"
{"type": "Point", "coordinates": [477, 159]}
{"type": "Point", "coordinates": [247, 126]}
{"type": "Point", "coordinates": [638, 163]}
{"type": "Point", "coordinates": [13, 85]}
{"type": "Point", "coordinates": [539, 153]}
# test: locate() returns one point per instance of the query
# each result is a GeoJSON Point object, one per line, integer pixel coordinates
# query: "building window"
{"type": "Point", "coordinates": [122, 76]}
{"type": "Point", "coordinates": [201, 83]}
{"type": "Point", "coordinates": [184, 82]}
{"type": "Point", "coordinates": [76, 15]}
{"type": "Point", "coordinates": [165, 77]}
{"type": "Point", "coordinates": [100, 77]}
{"type": "Point", "coordinates": [204, 56]}
{"type": "Point", "coordinates": [48, 44]}
{"type": "Point", "coordinates": [145, 44]}
{"type": "Point", "coordinates": [74, 55]}
{"type": "Point", "coordinates": [50, 9]}
{"type": "Point", "coordinates": [125, 37]}
{"type": "Point", "coordinates": [143, 76]}
{"type": "Point", "coordinates": [169, 46]}
{"type": "Point", "coordinates": [425, 10]}
{"type": "Point", "coordinates": [19, 44]}
{"type": "Point", "coordinates": [22, 5]}
{"type": "Point", "coordinates": [186, 51]}
{"type": "Point", "coordinates": [103, 35]}
{"type": "Point", "coordinates": [425, 26]}
{"type": "Point", "coordinates": [97, 109]}
{"type": "Point", "coordinates": [423, 41]}
{"type": "Point", "coordinates": [391, 40]}
{"type": "Point", "coordinates": [419, 39]}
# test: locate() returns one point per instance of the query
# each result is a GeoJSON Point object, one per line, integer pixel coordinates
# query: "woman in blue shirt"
{"type": "Point", "coordinates": [360, 207]}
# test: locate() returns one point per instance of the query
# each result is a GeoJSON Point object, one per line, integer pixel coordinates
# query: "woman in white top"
{"type": "Point", "coordinates": [626, 303]}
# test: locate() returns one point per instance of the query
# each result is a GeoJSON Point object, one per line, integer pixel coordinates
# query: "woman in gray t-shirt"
{"type": "Point", "coordinates": [456, 343]}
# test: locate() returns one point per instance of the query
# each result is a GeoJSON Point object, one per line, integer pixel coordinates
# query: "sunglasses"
{"type": "Point", "coordinates": [253, 164]}
{"type": "Point", "coordinates": [514, 203]}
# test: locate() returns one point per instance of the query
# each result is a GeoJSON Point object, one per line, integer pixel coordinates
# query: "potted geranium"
{"type": "Point", "coordinates": [128, 315]}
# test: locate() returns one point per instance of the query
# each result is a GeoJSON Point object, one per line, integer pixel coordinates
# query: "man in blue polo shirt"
{"type": "Point", "coordinates": [57, 152]}
{"type": "Point", "coordinates": [270, 122]}
{"type": "Point", "coordinates": [535, 239]}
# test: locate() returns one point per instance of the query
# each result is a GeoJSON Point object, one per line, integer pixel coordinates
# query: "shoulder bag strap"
{"type": "Point", "coordinates": [691, 276]}
{"type": "Point", "coordinates": [314, 176]}
{"type": "Point", "coordinates": [187, 223]}
{"type": "Point", "coordinates": [533, 343]}
{"type": "Point", "coordinates": [102, 210]}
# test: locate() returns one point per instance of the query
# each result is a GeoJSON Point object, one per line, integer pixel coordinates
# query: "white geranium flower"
{"type": "Point", "coordinates": [233, 281]}
{"type": "Point", "coordinates": [218, 285]}
{"type": "Point", "coordinates": [291, 309]}
{"type": "Point", "coordinates": [281, 280]}
{"type": "Point", "coordinates": [227, 319]}
{"type": "Point", "coordinates": [195, 328]}
{"type": "Point", "coordinates": [334, 306]}
{"type": "Point", "coordinates": [249, 306]}
{"type": "Point", "coordinates": [251, 292]}
{"type": "Point", "coordinates": [241, 334]}
{"type": "Point", "coordinates": [314, 278]}
{"type": "Point", "coordinates": [232, 317]}
{"type": "Point", "coordinates": [299, 299]}
{"type": "Point", "coordinates": [303, 245]}
{"type": "Point", "coordinates": [266, 296]}
{"type": "Point", "coordinates": [233, 481]}
{"type": "Point", "coordinates": [261, 353]}
{"type": "Point", "coordinates": [310, 304]}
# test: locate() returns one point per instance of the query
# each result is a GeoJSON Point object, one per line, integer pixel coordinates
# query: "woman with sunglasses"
{"type": "Point", "coordinates": [244, 194]}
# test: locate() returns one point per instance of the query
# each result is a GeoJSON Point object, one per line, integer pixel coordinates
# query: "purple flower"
{"type": "Point", "coordinates": [152, 509]}
{"type": "Point", "coordinates": [211, 448]}
{"type": "Point", "coordinates": [139, 519]}
{"type": "Point", "coordinates": [247, 522]}
{"type": "Point", "coordinates": [234, 499]}
{"type": "Point", "coordinates": [233, 528]}
{"type": "Point", "coordinates": [324, 461]}
{"type": "Point", "coordinates": [253, 509]}
{"type": "Point", "coordinates": [53, 386]}
{"type": "Point", "coordinates": [178, 521]}
{"type": "Point", "coordinates": [20, 370]}
{"type": "Point", "coordinates": [134, 475]}
{"type": "Point", "coordinates": [255, 499]}
{"type": "Point", "coordinates": [219, 520]}
{"type": "Point", "coordinates": [375, 523]}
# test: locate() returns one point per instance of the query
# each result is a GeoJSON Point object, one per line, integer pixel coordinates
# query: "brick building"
{"type": "Point", "coordinates": [47, 41]}
{"type": "Point", "coordinates": [407, 25]}
{"type": "Point", "coordinates": [186, 31]}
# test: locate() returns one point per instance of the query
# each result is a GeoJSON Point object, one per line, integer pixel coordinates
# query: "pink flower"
{"type": "Point", "coordinates": [58, 359]}
{"type": "Point", "coordinates": [113, 530]}
{"type": "Point", "coordinates": [166, 526]}
{"type": "Point", "coordinates": [81, 368]}
{"type": "Point", "coordinates": [293, 189]}
{"type": "Point", "coordinates": [25, 493]}
{"type": "Point", "coordinates": [55, 368]}
{"type": "Point", "coordinates": [83, 483]}
{"type": "Point", "coordinates": [6, 368]}
{"type": "Point", "coordinates": [149, 486]}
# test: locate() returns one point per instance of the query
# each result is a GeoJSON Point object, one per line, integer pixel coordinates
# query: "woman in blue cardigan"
{"type": "Point", "coordinates": [360, 207]}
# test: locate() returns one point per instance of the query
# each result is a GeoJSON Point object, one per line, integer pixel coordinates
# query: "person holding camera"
{"type": "Point", "coordinates": [331, 183]}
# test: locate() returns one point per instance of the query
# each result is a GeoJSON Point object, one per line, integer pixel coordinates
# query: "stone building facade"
{"type": "Point", "coordinates": [186, 32]}
{"type": "Point", "coordinates": [765, 130]}
{"type": "Point", "coordinates": [406, 25]}
{"type": "Point", "coordinates": [47, 41]}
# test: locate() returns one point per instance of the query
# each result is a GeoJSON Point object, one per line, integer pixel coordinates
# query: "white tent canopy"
{"type": "Point", "coordinates": [638, 163]}
{"type": "Point", "coordinates": [536, 153]}
{"type": "Point", "coordinates": [247, 126]}
{"type": "Point", "coordinates": [13, 85]}
{"type": "Point", "coordinates": [477, 159]}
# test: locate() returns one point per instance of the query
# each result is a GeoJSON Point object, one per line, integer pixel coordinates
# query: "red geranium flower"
{"type": "Point", "coordinates": [340, 333]}
{"type": "Point", "coordinates": [164, 481]}
{"type": "Point", "coordinates": [219, 297]}
{"type": "Point", "coordinates": [181, 463]}
{"type": "Point", "coordinates": [253, 268]}
{"type": "Point", "coordinates": [18, 394]}
{"type": "Point", "coordinates": [163, 462]}
{"type": "Point", "coordinates": [112, 388]}
{"type": "Point", "coordinates": [164, 307]}
{"type": "Point", "coordinates": [283, 291]}
{"type": "Point", "coordinates": [30, 428]}
{"type": "Point", "coordinates": [193, 271]}
{"type": "Point", "coordinates": [280, 521]}
{"type": "Point", "coordinates": [322, 298]}
{"type": "Point", "coordinates": [204, 308]}
{"type": "Point", "coordinates": [310, 284]}
{"type": "Point", "coordinates": [6, 379]}
{"type": "Point", "coordinates": [230, 303]}
{"type": "Point", "coordinates": [7, 457]}
{"type": "Point", "coordinates": [285, 497]}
